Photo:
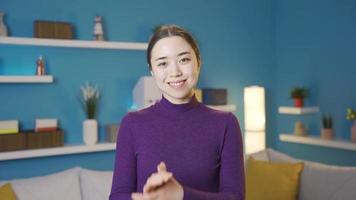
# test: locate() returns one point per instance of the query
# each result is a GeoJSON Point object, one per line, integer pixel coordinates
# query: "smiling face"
{"type": "Point", "coordinates": [175, 68]}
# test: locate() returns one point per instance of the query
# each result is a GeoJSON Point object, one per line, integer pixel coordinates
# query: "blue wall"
{"type": "Point", "coordinates": [316, 48]}
{"type": "Point", "coordinates": [236, 40]}
{"type": "Point", "coordinates": [278, 44]}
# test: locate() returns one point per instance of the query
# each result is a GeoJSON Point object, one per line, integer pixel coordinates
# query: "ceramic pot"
{"type": "Point", "coordinates": [3, 29]}
{"type": "Point", "coordinates": [90, 131]}
{"type": "Point", "coordinates": [327, 133]}
{"type": "Point", "coordinates": [298, 102]}
{"type": "Point", "coordinates": [353, 132]}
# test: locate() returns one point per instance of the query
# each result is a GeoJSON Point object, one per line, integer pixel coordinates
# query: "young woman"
{"type": "Point", "coordinates": [178, 148]}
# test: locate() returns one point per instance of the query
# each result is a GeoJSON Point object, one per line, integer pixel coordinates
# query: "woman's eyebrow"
{"type": "Point", "coordinates": [161, 58]}
{"type": "Point", "coordinates": [183, 53]}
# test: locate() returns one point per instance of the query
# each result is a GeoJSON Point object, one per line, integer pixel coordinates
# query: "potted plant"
{"type": "Point", "coordinates": [90, 101]}
{"type": "Point", "coordinates": [327, 130]}
{"type": "Point", "coordinates": [299, 94]}
{"type": "Point", "coordinates": [351, 115]}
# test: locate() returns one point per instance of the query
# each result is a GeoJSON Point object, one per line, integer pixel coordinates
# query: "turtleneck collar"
{"type": "Point", "coordinates": [170, 108]}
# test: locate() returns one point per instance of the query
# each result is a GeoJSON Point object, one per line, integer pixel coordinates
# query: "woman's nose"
{"type": "Point", "coordinates": [175, 70]}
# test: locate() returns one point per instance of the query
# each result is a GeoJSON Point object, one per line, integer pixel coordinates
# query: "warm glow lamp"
{"type": "Point", "coordinates": [255, 119]}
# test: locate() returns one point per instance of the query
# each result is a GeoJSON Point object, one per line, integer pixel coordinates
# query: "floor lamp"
{"type": "Point", "coordinates": [255, 119]}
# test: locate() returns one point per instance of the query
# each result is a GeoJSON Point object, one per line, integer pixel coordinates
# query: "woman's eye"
{"type": "Point", "coordinates": [184, 60]}
{"type": "Point", "coordinates": [162, 64]}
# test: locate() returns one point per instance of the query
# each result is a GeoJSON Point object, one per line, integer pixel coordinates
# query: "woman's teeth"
{"type": "Point", "coordinates": [176, 84]}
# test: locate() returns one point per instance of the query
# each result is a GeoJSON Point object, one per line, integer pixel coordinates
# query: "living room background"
{"type": "Point", "coordinates": [277, 44]}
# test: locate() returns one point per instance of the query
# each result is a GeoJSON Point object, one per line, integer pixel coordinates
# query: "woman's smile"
{"type": "Point", "coordinates": [177, 84]}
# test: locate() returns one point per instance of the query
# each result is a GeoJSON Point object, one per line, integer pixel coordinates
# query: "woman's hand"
{"type": "Point", "coordinates": [160, 186]}
{"type": "Point", "coordinates": [157, 179]}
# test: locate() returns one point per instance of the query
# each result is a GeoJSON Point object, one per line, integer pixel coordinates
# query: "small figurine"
{"type": "Point", "coordinates": [299, 129]}
{"type": "Point", "coordinates": [40, 69]}
{"type": "Point", "coordinates": [98, 29]}
{"type": "Point", "coordinates": [3, 29]}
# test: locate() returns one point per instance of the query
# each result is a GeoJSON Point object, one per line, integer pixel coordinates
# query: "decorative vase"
{"type": "Point", "coordinates": [327, 133]}
{"type": "Point", "coordinates": [3, 29]}
{"type": "Point", "coordinates": [353, 131]}
{"type": "Point", "coordinates": [90, 131]}
{"type": "Point", "coordinates": [298, 102]}
{"type": "Point", "coordinates": [111, 131]}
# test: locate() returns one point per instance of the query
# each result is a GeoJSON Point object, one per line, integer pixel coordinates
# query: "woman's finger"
{"type": "Point", "coordinates": [156, 180]}
{"type": "Point", "coordinates": [161, 167]}
{"type": "Point", "coordinates": [159, 178]}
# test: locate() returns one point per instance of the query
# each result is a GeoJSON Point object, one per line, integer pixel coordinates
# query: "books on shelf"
{"type": "Point", "coordinates": [8, 131]}
{"type": "Point", "coordinates": [46, 129]}
{"type": "Point", "coordinates": [45, 125]}
{"type": "Point", "coordinates": [53, 29]}
{"type": "Point", "coordinates": [9, 126]}
{"type": "Point", "coordinates": [46, 134]}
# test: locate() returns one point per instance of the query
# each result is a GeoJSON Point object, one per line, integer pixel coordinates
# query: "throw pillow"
{"type": "Point", "coordinates": [322, 181]}
{"type": "Point", "coordinates": [56, 186]}
{"type": "Point", "coordinates": [272, 181]}
{"type": "Point", "coordinates": [95, 185]}
{"type": "Point", "coordinates": [260, 155]}
{"type": "Point", "coordinates": [6, 192]}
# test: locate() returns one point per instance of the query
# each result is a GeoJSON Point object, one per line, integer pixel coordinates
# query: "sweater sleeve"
{"type": "Point", "coordinates": [232, 176]}
{"type": "Point", "coordinates": [124, 177]}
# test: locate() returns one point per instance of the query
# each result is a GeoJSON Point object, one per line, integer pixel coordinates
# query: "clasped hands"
{"type": "Point", "coordinates": [160, 186]}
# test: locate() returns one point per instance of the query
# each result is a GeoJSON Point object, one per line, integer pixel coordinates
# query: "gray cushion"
{"type": "Point", "coordinates": [321, 181]}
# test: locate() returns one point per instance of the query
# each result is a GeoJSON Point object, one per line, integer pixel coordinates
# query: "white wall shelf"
{"type": "Point", "coordinates": [226, 108]}
{"type": "Point", "coordinates": [297, 111]}
{"type": "Point", "coordinates": [55, 151]}
{"type": "Point", "coordinates": [73, 43]}
{"type": "Point", "coordinates": [26, 79]}
{"type": "Point", "coordinates": [317, 141]}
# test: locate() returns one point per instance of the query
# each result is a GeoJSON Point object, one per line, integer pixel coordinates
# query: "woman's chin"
{"type": "Point", "coordinates": [179, 97]}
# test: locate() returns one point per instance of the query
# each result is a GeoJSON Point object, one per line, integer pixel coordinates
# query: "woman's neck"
{"type": "Point", "coordinates": [179, 100]}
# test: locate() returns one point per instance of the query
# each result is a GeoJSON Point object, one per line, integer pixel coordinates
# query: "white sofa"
{"type": "Point", "coordinates": [72, 184]}
{"type": "Point", "coordinates": [318, 181]}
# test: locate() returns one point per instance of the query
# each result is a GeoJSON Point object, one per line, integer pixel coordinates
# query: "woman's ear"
{"type": "Point", "coordinates": [149, 67]}
{"type": "Point", "coordinates": [199, 66]}
{"type": "Point", "coordinates": [151, 72]}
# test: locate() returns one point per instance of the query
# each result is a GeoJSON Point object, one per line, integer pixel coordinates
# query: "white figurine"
{"type": "Point", "coordinates": [3, 29]}
{"type": "Point", "coordinates": [98, 29]}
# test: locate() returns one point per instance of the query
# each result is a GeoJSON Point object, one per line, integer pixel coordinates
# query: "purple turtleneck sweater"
{"type": "Point", "coordinates": [202, 147]}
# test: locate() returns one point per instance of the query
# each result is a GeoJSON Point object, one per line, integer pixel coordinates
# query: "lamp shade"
{"type": "Point", "coordinates": [254, 141]}
{"type": "Point", "coordinates": [254, 108]}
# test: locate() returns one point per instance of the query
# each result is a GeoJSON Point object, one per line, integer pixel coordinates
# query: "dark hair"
{"type": "Point", "coordinates": [168, 31]}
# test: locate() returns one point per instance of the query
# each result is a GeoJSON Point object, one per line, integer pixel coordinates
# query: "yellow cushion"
{"type": "Point", "coordinates": [6, 192]}
{"type": "Point", "coordinates": [272, 181]}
